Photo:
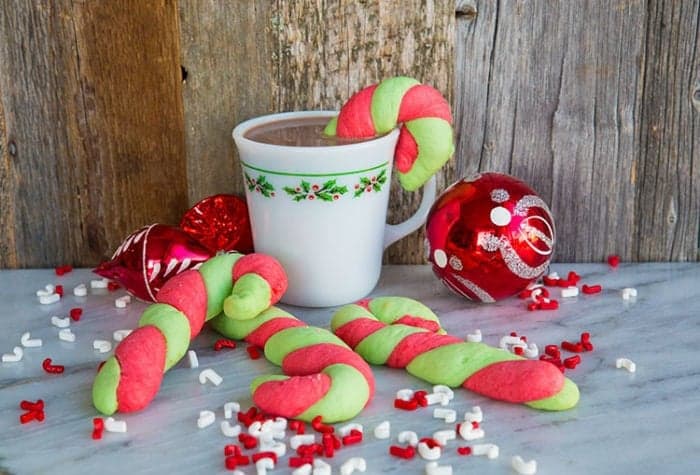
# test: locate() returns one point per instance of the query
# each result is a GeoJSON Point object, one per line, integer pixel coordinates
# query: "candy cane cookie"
{"type": "Point", "coordinates": [244, 285]}
{"type": "Point", "coordinates": [403, 333]}
{"type": "Point", "coordinates": [426, 138]}
{"type": "Point", "coordinates": [324, 377]}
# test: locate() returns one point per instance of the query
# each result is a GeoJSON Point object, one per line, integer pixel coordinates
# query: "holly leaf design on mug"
{"type": "Point", "coordinates": [260, 185]}
{"type": "Point", "coordinates": [305, 191]}
{"type": "Point", "coordinates": [369, 184]}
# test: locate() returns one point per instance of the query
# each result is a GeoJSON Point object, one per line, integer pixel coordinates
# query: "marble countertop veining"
{"type": "Point", "coordinates": [643, 422]}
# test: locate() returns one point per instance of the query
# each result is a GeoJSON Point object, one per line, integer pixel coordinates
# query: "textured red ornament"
{"type": "Point", "coordinates": [220, 223]}
{"type": "Point", "coordinates": [150, 256]}
{"type": "Point", "coordinates": [489, 237]}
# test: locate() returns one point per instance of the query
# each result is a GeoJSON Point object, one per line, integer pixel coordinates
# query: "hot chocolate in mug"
{"type": "Point", "coordinates": [319, 205]}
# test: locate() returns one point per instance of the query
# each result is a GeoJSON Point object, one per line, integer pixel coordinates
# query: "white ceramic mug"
{"type": "Point", "coordinates": [321, 211]}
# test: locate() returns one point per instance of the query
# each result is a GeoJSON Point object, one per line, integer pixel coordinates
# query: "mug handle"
{"type": "Point", "coordinates": [394, 232]}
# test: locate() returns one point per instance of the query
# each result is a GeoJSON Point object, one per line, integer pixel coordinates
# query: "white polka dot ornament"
{"type": "Point", "coordinates": [489, 237]}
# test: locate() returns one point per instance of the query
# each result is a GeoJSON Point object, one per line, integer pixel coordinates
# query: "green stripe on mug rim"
{"type": "Point", "coordinates": [353, 172]}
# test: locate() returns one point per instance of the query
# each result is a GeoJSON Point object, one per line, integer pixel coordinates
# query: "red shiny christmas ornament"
{"type": "Point", "coordinates": [220, 223]}
{"type": "Point", "coordinates": [489, 237]}
{"type": "Point", "coordinates": [150, 256]}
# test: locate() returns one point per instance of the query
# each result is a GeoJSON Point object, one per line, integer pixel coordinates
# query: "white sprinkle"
{"type": "Point", "coordinates": [15, 356]}
{"type": "Point", "coordinates": [60, 322]}
{"type": "Point", "coordinates": [509, 340]}
{"type": "Point", "coordinates": [427, 453]}
{"type": "Point", "coordinates": [303, 470]}
{"type": "Point", "coordinates": [535, 294]}
{"type": "Point", "coordinates": [122, 302]}
{"type": "Point", "coordinates": [353, 464]}
{"type": "Point", "coordinates": [531, 351]}
{"type": "Point", "coordinates": [192, 360]}
{"type": "Point", "coordinates": [475, 415]}
{"type": "Point", "coordinates": [80, 290]}
{"type": "Point", "coordinates": [211, 376]}
{"type": "Point", "coordinates": [553, 275]}
{"type": "Point", "coordinates": [229, 407]}
{"type": "Point", "coordinates": [446, 390]}
{"type": "Point", "coordinates": [408, 436]}
{"type": "Point", "coordinates": [436, 398]}
{"type": "Point", "coordinates": [302, 439]}
{"type": "Point", "coordinates": [49, 299]}
{"type": "Point", "coordinates": [263, 465]}
{"type": "Point", "coordinates": [522, 467]}
{"type": "Point", "coordinates": [66, 335]}
{"type": "Point", "coordinates": [468, 432]}
{"type": "Point", "coordinates": [112, 425]}
{"type": "Point", "coordinates": [230, 430]}
{"type": "Point", "coordinates": [626, 363]}
{"type": "Point", "coordinates": [321, 467]}
{"type": "Point", "coordinates": [347, 428]}
{"type": "Point", "coordinates": [255, 429]}
{"type": "Point", "coordinates": [475, 337]}
{"type": "Point", "coordinates": [119, 335]}
{"type": "Point", "coordinates": [432, 468]}
{"type": "Point", "coordinates": [279, 424]}
{"type": "Point", "coordinates": [383, 430]}
{"type": "Point", "coordinates": [205, 419]}
{"type": "Point", "coordinates": [99, 284]}
{"type": "Point", "coordinates": [443, 436]}
{"type": "Point", "coordinates": [569, 292]}
{"type": "Point", "coordinates": [448, 415]}
{"type": "Point", "coordinates": [103, 346]}
{"type": "Point", "coordinates": [404, 394]}
{"type": "Point", "coordinates": [629, 293]}
{"type": "Point", "coordinates": [28, 342]}
{"type": "Point", "coordinates": [490, 450]}
{"type": "Point", "coordinates": [48, 290]}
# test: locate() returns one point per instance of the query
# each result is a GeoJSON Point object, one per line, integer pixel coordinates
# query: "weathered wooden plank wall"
{"type": "Point", "coordinates": [590, 102]}
{"type": "Point", "coordinates": [118, 114]}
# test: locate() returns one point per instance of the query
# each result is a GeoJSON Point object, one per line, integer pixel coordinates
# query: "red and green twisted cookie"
{"type": "Point", "coordinates": [240, 285]}
{"type": "Point", "coordinates": [426, 138]}
{"type": "Point", "coordinates": [403, 333]}
{"type": "Point", "coordinates": [323, 376]}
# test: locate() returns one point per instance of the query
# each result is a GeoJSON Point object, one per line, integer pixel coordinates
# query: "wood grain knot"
{"type": "Point", "coordinates": [12, 148]}
{"type": "Point", "coordinates": [466, 10]}
{"type": "Point", "coordinates": [695, 96]}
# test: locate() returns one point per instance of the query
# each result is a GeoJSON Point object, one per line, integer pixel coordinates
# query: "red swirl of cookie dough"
{"type": "Point", "coordinates": [403, 333]}
{"type": "Point", "coordinates": [323, 376]}
{"type": "Point", "coordinates": [130, 379]}
{"type": "Point", "coordinates": [426, 137]}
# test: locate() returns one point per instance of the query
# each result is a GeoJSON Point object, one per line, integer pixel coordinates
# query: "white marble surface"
{"type": "Point", "coordinates": [646, 422]}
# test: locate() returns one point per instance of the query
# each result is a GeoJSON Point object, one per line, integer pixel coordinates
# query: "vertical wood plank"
{"type": "Point", "coordinates": [329, 50]}
{"type": "Point", "coordinates": [668, 198]}
{"type": "Point", "coordinates": [8, 256]}
{"type": "Point", "coordinates": [91, 95]}
{"type": "Point", "coordinates": [228, 55]}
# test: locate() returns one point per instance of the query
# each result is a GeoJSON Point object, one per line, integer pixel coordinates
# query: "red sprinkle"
{"type": "Point", "coordinates": [466, 450]}
{"type": "Point", "coordinates": [430, 442]}
{"type": "Point", "coordinates": [253, 352]}
{"type": "Point", "coordinates": [224, 343]}
{"type": "Point", "coordinates": [32, 406]}
{"type": "Point", "coordinates": [518, 350]}
{"type": "Point", "coordinates": [355, 437]}
{"type": "Point", "coordinates": [319, 426]}
{"type": "Point", "coordinates": [98, 427]}
{"type": "Point", "coordinates": [76, 313]}
{"type": "Point", "coordinates": [573, 277]}
{"type": "Point", "coordinates": [587, 346]}
{"type": "Point", "coordinates": [614, 261]}
{"type": "Point", "coordinates": [411, 405]}
{"type": "Point", "coordinates": [475, 425]}
{"type": "Point", "coordinates": [402, 452]}
{"type": "Point", "coordinates": [572, 347]}
{"type": "Point", "coordinates": [232, 449]}
{"type": "Point", "coordinates": [564, 283]}
{"type": "Point", "coordinates": [297, 426]}
{"type": "Point", "coordinates": [524, 294]}
{"type": "Point", "coordinates": [328, 446]}
{"type": "Point", "coordinates": [421, 398]}
{"type": "Point", "coordinates": [248, 441]}
{"type": "Point", "coordinates": [59, 290]}
{"type": "Point", "coordinates": [532, 306]}
{"type": "Point", "coordinates": [61, 270]}
{"type": "Point", "coordinates": [513, 334]}
{"type": "Point", "coordinates": [591, 289]}
{"type": "Point", "coordinates": [572, 361]}
{"type": "Point", "coordinates": [585, 336]}
{"type": "Point", "coordinates": [549, 282]}
{"type": "Point", "coordinates": [231, 463]}
{"type": "Point", "coordinates": [30, 416]}
{"type": "Point", "coordinates": [112, 286]}
{"type": "Point", "coordinates": [51, 368]}
{"type": "Point", "coordinates": [552, 350]}
{"type": "Point", "coordinates": [551, 305]}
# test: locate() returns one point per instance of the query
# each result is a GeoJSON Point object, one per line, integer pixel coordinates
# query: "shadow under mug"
{"type": "Point", "coordinates": [321, 211]}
